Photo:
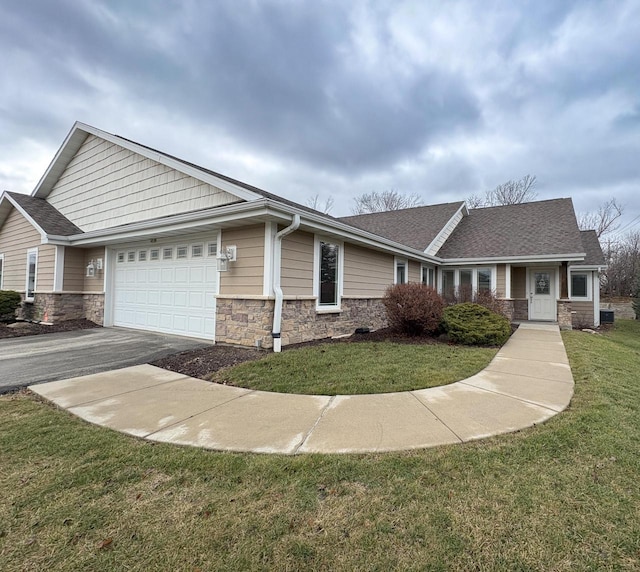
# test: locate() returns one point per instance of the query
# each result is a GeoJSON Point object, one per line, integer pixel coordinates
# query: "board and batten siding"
{"type": "Point", "coordinates": [17, 236]}
{"type": "Point", "coordinates": [367, 273]}
{"type": "Point", "coordinates": [106, 185]}
{"type": "Point", "coordinates": [297, 264]}
{"type": "Point", "coordinates": [245, 275]}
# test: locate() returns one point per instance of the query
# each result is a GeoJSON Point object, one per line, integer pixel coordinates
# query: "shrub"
{"type": "Point", "coordinates": [9, 303]}
{"type": "Point", "coordinates": [475, 325]}
{"type": "Point", "coordinates": [414, 309]}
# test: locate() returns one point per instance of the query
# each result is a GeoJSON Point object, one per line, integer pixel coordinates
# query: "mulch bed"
{"type": "Point", "coordinates": [20, 329]}
{"type": "Point", "coordinates": [205, 361]}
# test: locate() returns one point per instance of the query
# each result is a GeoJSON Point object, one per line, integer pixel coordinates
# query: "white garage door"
{"type": "Point", "coordinates": [170, 288]}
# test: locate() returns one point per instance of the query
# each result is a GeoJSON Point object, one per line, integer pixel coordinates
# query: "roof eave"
{"type": "Point", "coordinates": [529, 258]}
{"type": "Point", "coordinates": [6, 196]}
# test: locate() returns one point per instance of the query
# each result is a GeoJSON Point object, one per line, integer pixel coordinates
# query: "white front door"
{"type": "Point", "coordinates": [542, 294]}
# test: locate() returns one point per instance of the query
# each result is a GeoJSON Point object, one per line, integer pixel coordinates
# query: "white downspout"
{"type": "Point", "coordinates": [277, 260]}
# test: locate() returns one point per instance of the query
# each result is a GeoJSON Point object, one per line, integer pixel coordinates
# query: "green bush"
{"type": "Point", "coordinates": [475, 325]}
{"type": "Point", "coordinates": [413, 309]}
{"type": "Point", "coordinates": [9, 303]}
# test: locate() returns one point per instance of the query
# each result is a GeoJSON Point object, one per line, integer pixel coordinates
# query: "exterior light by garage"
{"type": "Point", "coordinates": [226, 255]}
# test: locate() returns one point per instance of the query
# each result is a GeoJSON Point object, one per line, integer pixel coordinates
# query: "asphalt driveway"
{"type": "Point", "coordinates": [49, 357]}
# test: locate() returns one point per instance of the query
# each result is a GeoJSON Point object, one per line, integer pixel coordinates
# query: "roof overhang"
{"type": "Point", "coordinates": [78, 135]}
{"type": "Point", "coordinates": [524, 259]}
{"type": "Point", "coordinates": [597, 267]}
{"type": "Point", "coordinates": [7, 203]}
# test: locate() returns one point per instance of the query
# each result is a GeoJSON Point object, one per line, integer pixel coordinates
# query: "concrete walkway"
{"type": "Point", "coordinates": [528, 382]}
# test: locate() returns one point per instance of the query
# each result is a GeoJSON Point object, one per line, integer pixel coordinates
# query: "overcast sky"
{"type": "Point", "coordinates": [442, 99]}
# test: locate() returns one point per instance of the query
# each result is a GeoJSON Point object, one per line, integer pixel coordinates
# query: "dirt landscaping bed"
{"type": "Point", "coordinates": [20, 329]}
{"type": "Point", "coordinates": [203, 362]}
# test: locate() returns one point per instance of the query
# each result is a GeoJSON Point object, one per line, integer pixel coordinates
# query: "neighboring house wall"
{"type": "Point", "coordinates": [106, 185]}
{"type": "Point", "coordinates": [245, 276]}
{"type": "Point", "coordinates": [297, 264]}
{"type": "Point", "coordinates": [367, 273]}
{"type": "Point", "coordinates": [17, 236]}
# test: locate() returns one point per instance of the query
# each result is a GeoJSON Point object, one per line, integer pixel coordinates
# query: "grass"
{"type": "Point", "coordinates": [350, 368]}
{"type": "Point", "coordinates": [563, 496]}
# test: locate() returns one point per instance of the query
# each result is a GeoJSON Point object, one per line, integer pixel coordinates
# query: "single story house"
{"type": "Point", "coordinates": [126, 235]}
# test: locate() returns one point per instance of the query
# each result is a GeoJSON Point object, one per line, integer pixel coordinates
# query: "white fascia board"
{"type": "Point", "coordinates": [597, 267]}
{"type": "Point", "coordinates": [187, 221]}
{"type": "Point", "coordinates": [516, 259]}
{"type": "Point", "coordinates": [62, 159]}
{"type": "Point", "coordinates": [26, 215]}
{"type": "Point", "coordinates": [445, 228]}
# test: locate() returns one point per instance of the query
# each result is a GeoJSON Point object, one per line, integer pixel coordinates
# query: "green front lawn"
{"type": "Point", "coordinates": [562, 496]}
{"type": "Point", "coordinates": [350, 368]}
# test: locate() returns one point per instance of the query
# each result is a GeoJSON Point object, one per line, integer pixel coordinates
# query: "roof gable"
{"type": "Point", "coordinates": [542, 228]}
{"type": "Point", "coordinates": [416, 227]}
{"type": "Point", "coordinates": [45, 218]}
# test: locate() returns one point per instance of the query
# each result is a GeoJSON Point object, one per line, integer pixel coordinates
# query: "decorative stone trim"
{"type": "Point", "coordinates": [56, 307]}
{"type": "Point", "coordinates": [249, 321]}
{"type": "Point", "coordinates": [565, 319]}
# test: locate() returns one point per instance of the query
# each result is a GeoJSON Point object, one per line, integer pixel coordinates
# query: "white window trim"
{"type": "Point", "coordinates": [317, 239]}
{"type": "Point", "coordinates": [474, 277]}
{"type": "Point", "coordinates": [589, 296]}
{"type": "Point", "coordinates": [35, 277]}
{"type": "Point", "coordinates": [1, 271]}
{"type": "Point", "coordinates": [424, 267]}
{"type": "Point", "coordinates": [396, 262]}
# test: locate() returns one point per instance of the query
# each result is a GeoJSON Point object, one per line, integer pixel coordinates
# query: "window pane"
{"type": "Point", "coordinates": [484, 279]}
{"type": "Point", "coordinates": [142, 255]}
{"type": "Point", "coordinates": [154, 254]}
{"type": "Point", "coordinates": [328, 274]}
{"type": "Point", "coordinates": [465, 278]}
{"type": "Point", "coordinates": [543, 281]}
{"type": "Point", "coordinates": [401, 273]}
{"type": "Point", "coordinates": [579, 285]}
{"type": "Point", "coordinates": [167, 253]}
{"type": "Point", "coordinates": [448, 285]}
{"type": "Point", "coordinates": [31, 279]}
{"type": "Point", "coordinates": [131, 256]}
{"type": "Point", "coordinates": [1, 261]}
{"type": "Point", "coordinates": [181, 252]}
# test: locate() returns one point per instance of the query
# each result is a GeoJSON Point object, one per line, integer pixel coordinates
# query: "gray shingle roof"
{"type": "Point", "coordinates": [592, 247]}
{"type": "Point", "coordinates": [46, 216]}
{"type": "Point", "coordinates": [415, 227]}
{"type": "Point", "coordinates": [528, 229]}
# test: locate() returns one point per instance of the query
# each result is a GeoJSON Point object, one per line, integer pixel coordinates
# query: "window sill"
{"type": "Point", "coordinates": [321, 310]}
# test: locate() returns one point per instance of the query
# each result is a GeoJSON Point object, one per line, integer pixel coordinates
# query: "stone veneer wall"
{"type": "Point", "coordinates": [515, 310]}
{"type": "Point", "coordinates": [565, 319]}
{"type": "Point", "coordinates": [59, 306]}
{"type": "Point", "coordinates": [243, 321]}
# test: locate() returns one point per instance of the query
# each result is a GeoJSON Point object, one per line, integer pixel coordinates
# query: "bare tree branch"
{"type": "Point", "coordinates": [603, 220]}
{"type": "Point", "coordinates": [390, 200]}
{"type": "Point", "coordinates": [315, 203]}
{"type": "Point", "coordinates": [509, 193]}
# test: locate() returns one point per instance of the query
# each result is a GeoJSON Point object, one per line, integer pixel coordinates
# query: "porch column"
{"type": "Point", "coordinates": [564, 281]}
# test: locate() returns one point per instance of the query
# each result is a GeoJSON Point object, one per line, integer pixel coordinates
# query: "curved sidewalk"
{"type": "Point", "coordinates": [527, 382]}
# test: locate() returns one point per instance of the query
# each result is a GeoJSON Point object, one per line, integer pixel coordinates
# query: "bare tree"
{"type": "Point", "coordinates": [391, 200]}
{"type": "Point", "coordinates": [315, 203]}
{"type": "Point", "coordinates": [623, 265]}
{"type": "Point", "coordinates": [604, 219]}
{"type": "Point", "coordinates": [509, 193]}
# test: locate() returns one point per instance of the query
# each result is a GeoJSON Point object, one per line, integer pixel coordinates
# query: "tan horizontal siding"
{"type": "Point", "coordinates": [583, 313]}
{"type": "Point", "coordinates": [95, 283]}
{"type": "Point", "coordinates": [106, 185]}
{"type": "Point", "coordinates": [16, 237]}
{"type": "Point", "coordinates": [414, 272]}
{"type": "Point", "coordinates": [246, 275]}
{"type": "Point", "coordinates": [46, 268]}
{"type": "Point", "coordinates": [501, 276]}
{"type": "Point", "coordinates": [74, 270]}
{"type": "Point", "coordinates": [366, 272]}
{"type": "Point", "coordinates": [297, 264]}
{"type": "Point", "coordinates": [518, 282]}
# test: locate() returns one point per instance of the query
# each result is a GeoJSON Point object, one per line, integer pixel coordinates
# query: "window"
{"type": "Point", "coordinates": [142, 255]}
{"type": "Point", "coordinates": [428, 276]}
{"type": "Point", "coordinates": [1, 268]}
{"type": "Point", "coordinates": [167, 253]}
{"type": "Point", "coordinates": [32, 264]}
{"type": "Point", "coordinates": [448, 284]}
{"type": "Point", "coordinates": [154, 254]}
{"type": "Point", "coordinates": [131, 256]}
{"type": "Point", "coordinates": [197, 250]}
{"type": "Point", "coordinates": [212, 249]}
{"type": "Point", "coordinates": [328, 269]}
{"type": "Point", "coordinates": [484, 280]}
{"type": "Point", "coordinates": [579, 285]}
{"type": "Point", "coordinates": [401, 271]}
{"type": "Point", "coordinates": [181, 252]}
{"type": "Point", "coordinates": [120, 257]}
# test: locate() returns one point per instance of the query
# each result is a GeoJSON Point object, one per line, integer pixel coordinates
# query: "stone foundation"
{"type": "Point", "coordinates": [56, 307]}
{"type": "Point", "coordinates": [516, 310]}
{"type": "Point", "coordinates": [565, 318]}
{"type": "Point", "coordinates": [245, 322]}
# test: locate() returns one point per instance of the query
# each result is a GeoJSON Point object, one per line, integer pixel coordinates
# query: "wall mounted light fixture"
{"type": "Point", "coordinates": [227, 254]}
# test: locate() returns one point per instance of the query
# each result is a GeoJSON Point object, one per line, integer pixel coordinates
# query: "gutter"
{"type": "Point", "coordinates": [277, 288]}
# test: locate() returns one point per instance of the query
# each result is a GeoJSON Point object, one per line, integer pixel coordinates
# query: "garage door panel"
{"type": "Point", "coordinates": [172, 296]}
